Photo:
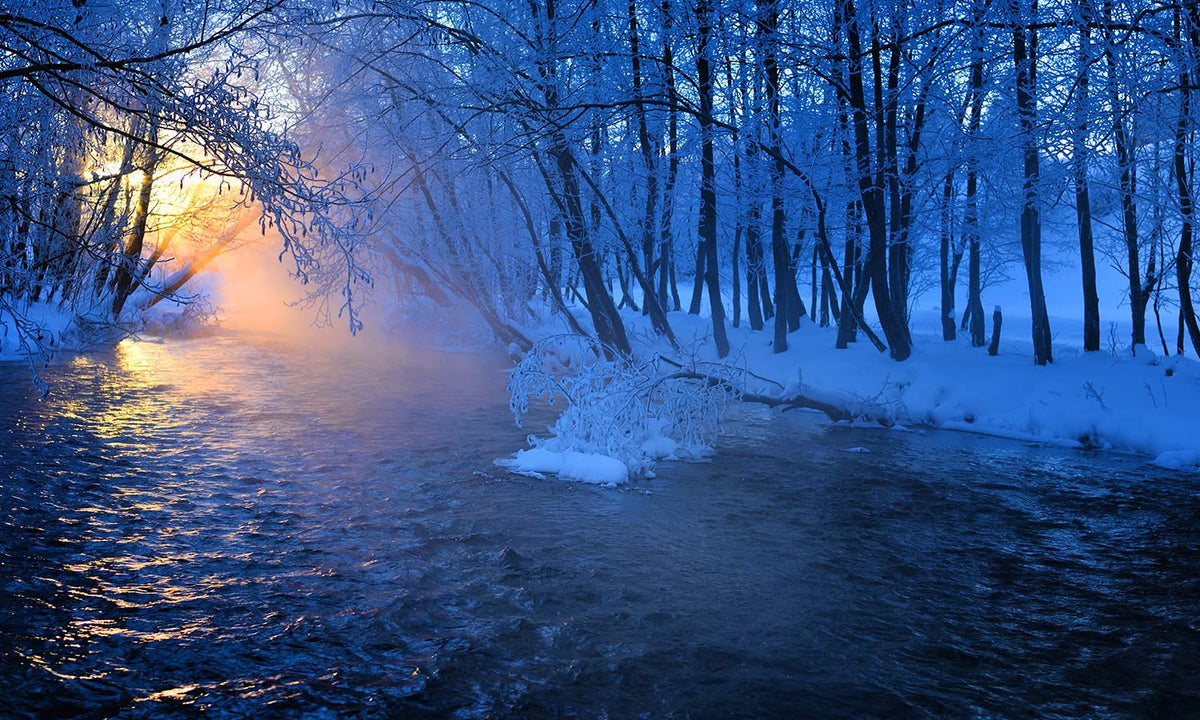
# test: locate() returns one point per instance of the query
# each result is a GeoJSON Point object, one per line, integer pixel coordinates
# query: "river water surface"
{"type": "Point", "coordinates": [239, 527]}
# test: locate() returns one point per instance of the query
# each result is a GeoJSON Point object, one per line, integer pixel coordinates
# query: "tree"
{"type": "Point", "coordinates": [870, 183]}
{"type": "Point", "coordinates": [1083, 202]}
{"type": "Point", "coordinates": [1025, 54]}
{"type": "Point", "coordinates": [122, 91]}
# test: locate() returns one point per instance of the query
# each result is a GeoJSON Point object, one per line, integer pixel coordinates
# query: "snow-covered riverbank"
{"type": "Point", "coordinates": [1145, 404]}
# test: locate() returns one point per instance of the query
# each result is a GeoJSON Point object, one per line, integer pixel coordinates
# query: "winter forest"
{"type": "Point", "coordinates": [894, 217]}
{"type": "Point", "coordinates": [692, 156]}
{"type": "Point", "coordinates": [598, 167]}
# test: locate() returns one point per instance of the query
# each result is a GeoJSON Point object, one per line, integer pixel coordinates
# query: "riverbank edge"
{"type": "Point", "coordinates": [1137, 403]}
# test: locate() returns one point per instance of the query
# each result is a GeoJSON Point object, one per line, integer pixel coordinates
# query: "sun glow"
{"type": "Point", "coordinates": [194, 212]}
{"type": "Point", "coordinates": [186, 214]}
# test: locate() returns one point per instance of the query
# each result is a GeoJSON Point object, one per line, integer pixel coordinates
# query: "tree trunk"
{"type": "Point", "coordinates": [666, 277]}
{"type": "Point", "coordinates": [851, 271]}
{"type": "Point", "coordinates": [1083, 204]}
{"type": "Point", "coordinates": [755, 273]}
{"type": "Point", "coordinates": [1183, 257]}
{"type": "Point", "coordinates": [945, 276]}
{"type": "Point", "coordinates": [1123, 142]}
{"type": "Point", "coordinates": [973, 318]}
{"type": "Point", "coordinates": [1025, 62]}
{"type": "Point", "coordinates": [871, 191]}
{"type": "Point", "coordinates": [708, 192]}
{"type": "Point", "coordinates": [738, 197]}
{"type": "Point", "coordinates": [787, 296]}
{"type": "Point", "coordinates": [605, 318]}
{"type": "Point", "coordinates": [698, 276]}
{"type": "Point", "coordinates": [649, 147]}
{"type": "Point", "coordinates": [856, 285]}
{"type": "Point", "coordinates": [128, 264]}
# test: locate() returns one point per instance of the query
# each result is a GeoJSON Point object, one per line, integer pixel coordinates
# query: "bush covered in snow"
{"type": "Point", "coordinates": [634, 411]}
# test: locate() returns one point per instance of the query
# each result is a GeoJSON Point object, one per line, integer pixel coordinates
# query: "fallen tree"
{"type": "Point", "coordinates": [638, 411]}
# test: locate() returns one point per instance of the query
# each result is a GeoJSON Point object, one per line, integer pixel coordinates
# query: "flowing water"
{"type": "Point", "coordinates": [234, 528]}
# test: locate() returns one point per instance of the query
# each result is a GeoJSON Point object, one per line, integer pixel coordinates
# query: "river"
{"type": "Point", "coordinates": [245, 527]}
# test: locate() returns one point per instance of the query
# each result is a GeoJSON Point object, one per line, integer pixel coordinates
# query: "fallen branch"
{"type": "Point", "coordinates": [795, 401]}
{"type": "Point", "coordinates": [681, 366]}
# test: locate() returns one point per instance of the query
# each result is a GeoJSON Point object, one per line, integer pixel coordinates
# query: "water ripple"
{"type": "Point", "coordinates": [237, 528]}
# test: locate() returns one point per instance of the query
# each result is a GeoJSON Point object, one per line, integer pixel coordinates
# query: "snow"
{"type": "Point", "coordinates": [661, 447]}
{"type": "Point", "coordinates": [1179, 460]}
{"type": "Point", "coordinates": [1140, 403]}
{"type": "Point", "coordinates": [568, 465]}
{"type": "Point", "coordinates": [37, 332]}
{"type": "Point", "coordinates": [32, 331]}
{"type": "Point", "coordinates": [1134, 403]}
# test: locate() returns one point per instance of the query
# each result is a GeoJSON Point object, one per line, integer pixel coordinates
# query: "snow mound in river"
{"type": "Point", "coordinates": [568, 465]}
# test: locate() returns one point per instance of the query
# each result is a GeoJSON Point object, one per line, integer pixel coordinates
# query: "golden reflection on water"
{"type": "Point", "coordinates": [136, 564]}
{"type": "Point", "coordinates": [134, 374]}
{"type": "Point", "coordinates": [137, 397]}
{"type": "Point", "coordinates": [138, 371]}
{"type": "Point", "coordinates": [131, 584]}
{"type": "Point", "coordinates": [177, 695]}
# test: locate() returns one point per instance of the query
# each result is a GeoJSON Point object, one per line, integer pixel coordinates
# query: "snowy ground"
{"type": "Point", "coordinates": [38, 332]}
{"type": "Point", "coordinates": [1145, 404]}
{"type": "Point", "coordinates": [25, 331]}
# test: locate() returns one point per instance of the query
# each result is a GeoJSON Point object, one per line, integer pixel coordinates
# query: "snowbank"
{"type": "Point", "coordinates": [1178, 460]}
{"type": "Point", "coordinates": [1139, 403]}
{"type": "Point", "coordinates": [568, 465]}
{"type": "Point", "coordinates": [38, 331]}
{"type": "Point", "coordinates": [31, 332]}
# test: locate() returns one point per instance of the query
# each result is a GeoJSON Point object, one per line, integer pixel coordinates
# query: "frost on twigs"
{"type": "Point", "coordinates": [629, 410]}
